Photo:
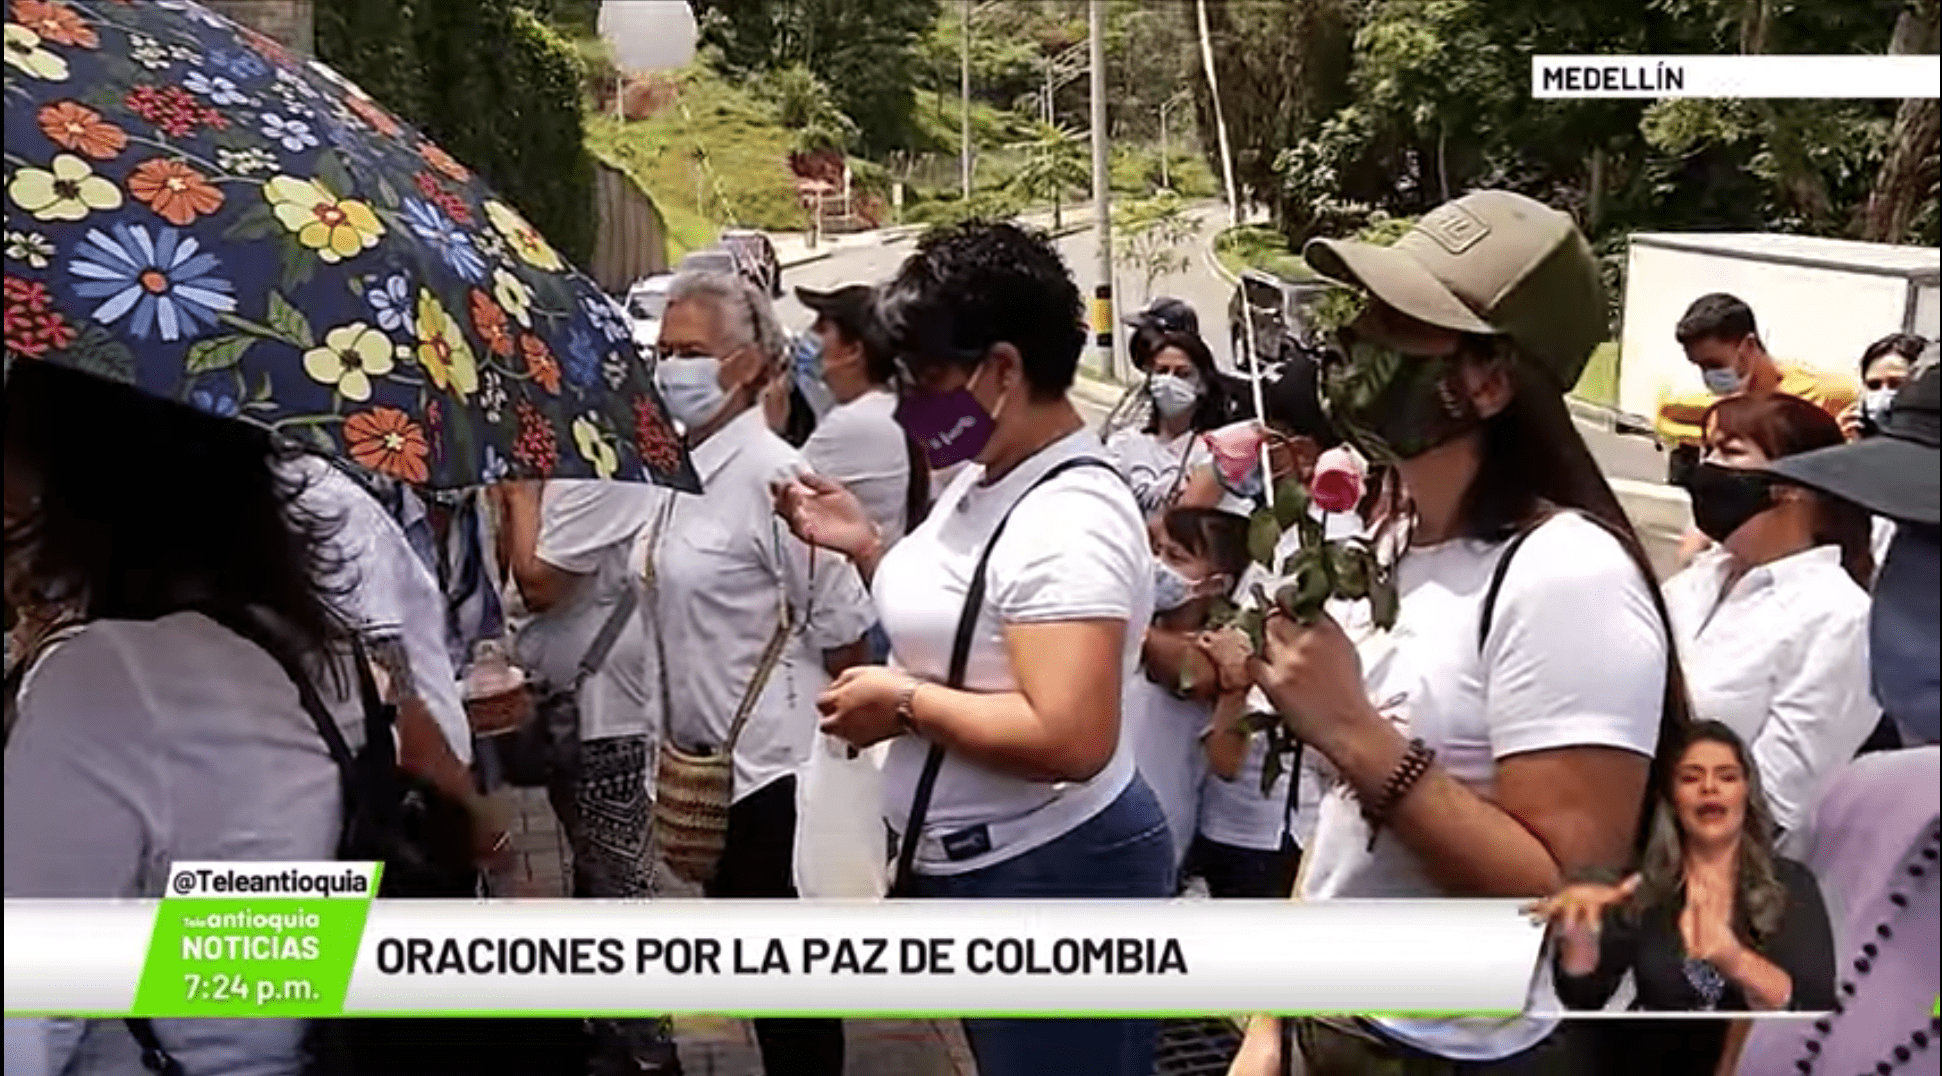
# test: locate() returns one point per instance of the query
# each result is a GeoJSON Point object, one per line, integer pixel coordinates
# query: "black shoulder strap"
{"type": "Point", "coordinates": [920, 803]}
{"type": "Point", "coordinates": [155, 1057]}
{"type": "Point", "coordinates": [1497, 581]}
{"type": "Point", "coordinates": [1510, 550]}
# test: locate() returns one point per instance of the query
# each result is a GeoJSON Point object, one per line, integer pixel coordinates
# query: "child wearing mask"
{"type": "Point", "coordinates": [1200, 553]}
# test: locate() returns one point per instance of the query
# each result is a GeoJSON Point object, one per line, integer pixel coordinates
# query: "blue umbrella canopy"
{"type": "Point", "coordinates": [195, 210]}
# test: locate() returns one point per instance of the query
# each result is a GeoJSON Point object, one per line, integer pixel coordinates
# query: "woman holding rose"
{"type": "Point", "coordinates": [1500, 737]}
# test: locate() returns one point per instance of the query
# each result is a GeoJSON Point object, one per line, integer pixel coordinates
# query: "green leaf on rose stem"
{"type": "Point", "coordinates": [1220, 613]}
{"type": "Point", "coordinates": [1349, 565]}
{"type": "Point", "coordinates": [1313, 533]}
{"type": "Point", "coordinates": [1263, 534]}
{"type": "Point", "coordinates": [216, 353]}
{"type": "Point", "coordinates": [1290, 502]}
{"type": "Point", "coordinates": [1384, 603]}
{"type": "Point", "coordinates": [1250, 622]}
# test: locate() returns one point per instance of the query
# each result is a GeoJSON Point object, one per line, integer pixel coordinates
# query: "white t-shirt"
{"type": "Point", "coordinates": [1576, 657]}
{"type": "Point", "coordinates": [1782, 660]}
{"type": "Point", "coordinates": [588, 528]}
{"type": "Point", "coordinates": [387, 589]}
{"type": "Point", "coordinates": [724, 564]}
{"type": "Point", "coordinates": [141, 743]}
{"type": "Point", "coordinates": [1166, 730]}
{"type": "Point", "coordinates": [1153, 465]}
{"type": "Point", "coordinates": [1075, 549]}
{"type": "Point", "coordinates": [860, 445]}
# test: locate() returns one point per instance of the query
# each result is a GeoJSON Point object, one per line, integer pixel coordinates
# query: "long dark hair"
{"type": "Point", "coordinates": [1533, 463]}
{"type": "Point", "coordinates": [144, 508]}
{"type": "Point", "coordinates": [1759, 897]}
{"type": "Point", "coordinates": [1214, 409]}
{"type": "Point", "coordinates": [1781, 425]}
{"type": "Point", "coordinates": [917, 494]}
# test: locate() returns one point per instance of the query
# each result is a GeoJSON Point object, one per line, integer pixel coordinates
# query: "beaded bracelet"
{"type": "Point", "coordinates": [1409, 769]}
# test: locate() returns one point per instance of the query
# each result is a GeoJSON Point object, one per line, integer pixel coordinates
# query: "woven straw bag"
{"type": "Point", "coordinates": [694, 791]}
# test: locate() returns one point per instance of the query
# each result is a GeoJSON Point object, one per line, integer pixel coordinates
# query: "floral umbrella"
{"type": "Point", "coordinates": [195, 210]}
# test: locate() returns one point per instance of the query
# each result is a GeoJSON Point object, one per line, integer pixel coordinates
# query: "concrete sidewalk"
{"type": "Point", "coordinates": [717, 1045]}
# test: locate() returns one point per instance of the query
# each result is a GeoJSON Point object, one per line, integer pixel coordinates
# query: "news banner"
{"type": "Point", "coordinates": [309, 939]}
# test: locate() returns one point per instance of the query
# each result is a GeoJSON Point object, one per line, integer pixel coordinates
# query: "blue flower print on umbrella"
{"type": "Point", "coordinates": [160, 282]}
{"type": "Point", "coordinates": [194, 210]}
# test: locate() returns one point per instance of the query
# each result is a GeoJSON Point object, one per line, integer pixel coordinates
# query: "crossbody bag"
{"type": "Point", "coordinates": [544, 750]}
{"type": "Point", "coordinates": [901, 881]}
{"type": "Point", "coordinates": [693, 790]}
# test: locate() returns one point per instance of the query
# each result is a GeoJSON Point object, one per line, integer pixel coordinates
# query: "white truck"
{"type": "Point", "coordinates": [1818, 302]}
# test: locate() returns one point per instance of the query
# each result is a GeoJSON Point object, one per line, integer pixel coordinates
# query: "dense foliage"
{"type": "Point", "coordinates": [491, 83]}
{"type": "Point", "coordinates": [1340, 108]}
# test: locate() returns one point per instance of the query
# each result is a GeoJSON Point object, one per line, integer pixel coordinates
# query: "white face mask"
{"type": "Point", "coordinates": [1172, 395]}
{"type": "Point", "coordinates": [1172, 589]}
{"type": "Point", "coordinates": [691, 387]}
{"type": "Point", "coordinates": [1874, 404]}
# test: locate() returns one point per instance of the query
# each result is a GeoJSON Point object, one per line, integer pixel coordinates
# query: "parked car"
{"type": "Point", "coordinates": [715, 260]}
{"type": "Point", "coordinates": [1283, 316]}
{"type": "Point", "coordinates": [756, 259]}
{"type": "Point", "coordinates": [646, 301]}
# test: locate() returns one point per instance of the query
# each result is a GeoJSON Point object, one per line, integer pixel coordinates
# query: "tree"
{"type": "Point", "coordinates": [804, 105]}
{"type": "Point", "coordinates": [1906, 185]}
{"type": "Point", "coordinates": [1150, 237]}
{"type": "Point", "coordinates": [865, 53]}
{"type": "Point", "coordinates": [517, 120]}
{"type": "Point", "coordinates": [1056, 164]}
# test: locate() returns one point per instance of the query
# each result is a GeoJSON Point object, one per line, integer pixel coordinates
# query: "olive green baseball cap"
{"type": "Point", "coordinates": [1491, 262]}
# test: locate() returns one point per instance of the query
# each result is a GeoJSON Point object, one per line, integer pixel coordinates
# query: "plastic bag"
{"type": "Point", "coordinates": [839, 823]}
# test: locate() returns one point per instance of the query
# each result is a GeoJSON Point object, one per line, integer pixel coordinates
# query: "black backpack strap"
{"type": "Point", "coordinates": [1497, 575]}
{"type": "Point", "coordinates": [155, 1057]}
{"type": "Point", "coordinates": [920, 803]}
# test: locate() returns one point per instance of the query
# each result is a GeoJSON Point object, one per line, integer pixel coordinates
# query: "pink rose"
{"type": "Point", "coordinates": [1236, 450]}
{"type": "Point", "coordinates": [1338, 481]}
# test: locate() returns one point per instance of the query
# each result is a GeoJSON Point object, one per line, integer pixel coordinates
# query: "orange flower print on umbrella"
{"type": "Point", "coordinates": [204, 214]}
{"type": "Point", "coordinates": [378, 118]}
{"type": "Point", "coordinates": [387, 441]}
{"type": "Point", "coordinates": [177, 193]}
{"type": "Point", "coordinates": [71, 125]}
{"type": "Point", "coordinates": [490, 321]}
{"type": "Point", "coordinates": [443, 161]}
{"type": "Point", "coordinates": [55, 22]}
{"type": "Point", "coordinates": [540, 363]}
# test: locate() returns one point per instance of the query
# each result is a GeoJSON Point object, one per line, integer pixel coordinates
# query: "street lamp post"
{"type": "Point", "coordinates": [1102, 217]}
{"type": "Point", "coordinates": [1166, 179]}
{"type": "Point", "coordinates": [964, 114]}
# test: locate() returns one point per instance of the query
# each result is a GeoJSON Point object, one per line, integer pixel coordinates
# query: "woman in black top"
{"type": "Point", "coordinates": [1713, 921]}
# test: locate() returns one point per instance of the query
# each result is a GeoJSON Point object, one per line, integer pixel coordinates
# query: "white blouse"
{"type": "Point", "coordinates": [1780, 657]}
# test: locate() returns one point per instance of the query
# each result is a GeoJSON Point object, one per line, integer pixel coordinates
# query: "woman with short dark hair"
{"type": "Point", "coordinates": [1014, 613]}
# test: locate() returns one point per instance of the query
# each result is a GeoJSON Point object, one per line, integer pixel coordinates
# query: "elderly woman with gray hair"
{"type": "Point", "coordinates": [747, 625]}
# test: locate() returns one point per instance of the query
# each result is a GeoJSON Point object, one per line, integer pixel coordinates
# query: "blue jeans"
{"type": "Point", "coordinates": [879, 645]}
{"type": "Point", "coordinates": [1122, 852]}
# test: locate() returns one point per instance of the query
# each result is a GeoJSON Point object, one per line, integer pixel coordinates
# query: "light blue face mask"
{"type": "Point", "coordinates": [1172, 589]}
{"type": "Point", "coordinates": [1722, 380]}
{"type": "Point", "coordinates": [691, 387]}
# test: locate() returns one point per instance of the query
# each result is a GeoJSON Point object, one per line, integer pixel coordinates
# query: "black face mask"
{"type": "Point", "coordinates": [1724, 498]}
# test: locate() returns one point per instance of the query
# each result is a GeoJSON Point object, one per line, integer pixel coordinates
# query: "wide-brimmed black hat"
{"type": "Point", "coordinates": [1895, 473]}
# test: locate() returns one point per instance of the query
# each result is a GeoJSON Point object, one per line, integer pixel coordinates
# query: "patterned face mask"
{"type": "Point", "coordinates": [1392, 405]}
